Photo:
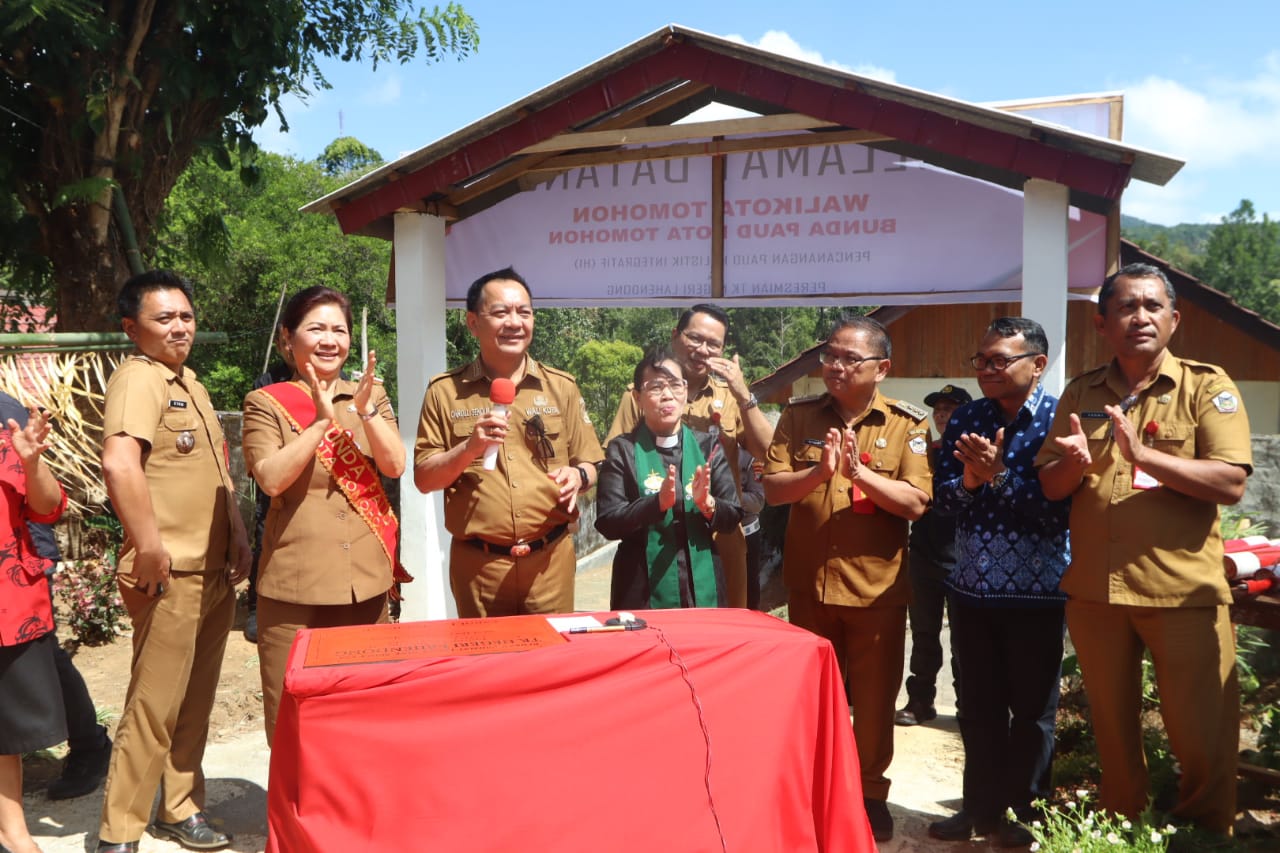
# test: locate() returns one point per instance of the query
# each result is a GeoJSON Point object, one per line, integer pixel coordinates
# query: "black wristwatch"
{"type": "Point", "coordinates": [586, 482]}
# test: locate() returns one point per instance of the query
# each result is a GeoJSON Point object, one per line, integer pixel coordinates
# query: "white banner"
{"type": "Point", "coordinates": [839, 223]}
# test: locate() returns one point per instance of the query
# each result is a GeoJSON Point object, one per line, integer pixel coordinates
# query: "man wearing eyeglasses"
{"type": "Point", "coordinates": [721, 404]}
{"type": "Point", "coordinates": [1007, 612]}
{"type": "Point", "coordinates": [854, 465]}
{"type": "Point", "coordinates": [1148, 447]}
{"type": "Point", "coordinates": [511, 552]}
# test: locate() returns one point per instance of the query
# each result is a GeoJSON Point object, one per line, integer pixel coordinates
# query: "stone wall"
{"type": "Point", "coordinates": [1262, 495]}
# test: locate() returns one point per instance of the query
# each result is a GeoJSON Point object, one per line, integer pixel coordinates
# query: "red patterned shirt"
{"type": "Point", "coordinates": [26, 612]}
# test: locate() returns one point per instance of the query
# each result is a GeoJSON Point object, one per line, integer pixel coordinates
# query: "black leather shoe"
{"type": "Point", "coordinates": [1014, 835]}
{"type": "Point", "coordinates": [122, 847]}
{"type": "Point", "coordinates": [962, 826]}
{"type": "Point", "coordinates": [915, 713]}
{"type": "Point", "coordinates": [251, 627]}
{"type": "Point", "coordinates": [880, 819]}
{"type": "Point", "coordinates": [194, 833]}
{"type": "Point", "coordinates": [82, 772]}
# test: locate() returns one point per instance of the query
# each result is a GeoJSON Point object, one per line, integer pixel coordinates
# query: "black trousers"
{"type": "Point", "coordinates": [84, 732]}
{"type": "Point", "coordinates": [1011, 658]}
{"type": "Point", "coordinates": [928, 598]}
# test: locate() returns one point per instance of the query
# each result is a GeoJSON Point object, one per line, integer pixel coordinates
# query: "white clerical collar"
{"type": "Point", "coordinates": [667, 440]}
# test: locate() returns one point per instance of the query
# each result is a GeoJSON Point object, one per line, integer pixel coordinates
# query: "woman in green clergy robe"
{"type": "Point", "coordinates": [663, 490]}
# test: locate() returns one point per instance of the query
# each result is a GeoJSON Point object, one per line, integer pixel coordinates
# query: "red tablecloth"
{"type": "Point", "coordinates": [597, 743]}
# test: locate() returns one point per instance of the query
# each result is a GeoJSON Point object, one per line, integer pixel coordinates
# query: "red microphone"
{"type": "Point", "coordinates": [503, 393]}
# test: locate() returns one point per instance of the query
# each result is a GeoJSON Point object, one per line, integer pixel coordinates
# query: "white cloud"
{"type": "Point", "coordinates": [780, 42]}
{"type": "Point", "coordinates": [1212, 124]}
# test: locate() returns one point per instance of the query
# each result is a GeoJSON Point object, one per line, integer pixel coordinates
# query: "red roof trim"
{"type": "Point", "coordinates": [682, 60]}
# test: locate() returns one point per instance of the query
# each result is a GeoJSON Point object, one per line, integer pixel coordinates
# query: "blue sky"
{"type": "Point", "coordinates": [1201, 80]}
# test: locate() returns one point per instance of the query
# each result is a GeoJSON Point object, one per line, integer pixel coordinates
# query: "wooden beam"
{"type": "Point", "coordinates": [717, 226]}
{"type": "Point", "coordinates": [677, 132]}
{"type": "Point", "coordinates": [699, 149]}
{"type": "Point", "coordinates": [516, 167]}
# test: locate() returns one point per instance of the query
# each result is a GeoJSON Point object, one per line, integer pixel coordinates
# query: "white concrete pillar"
{"type": "Point", "coordinates": [420, 353]}
{"type": "Point", "coordinates": [1044, 270]}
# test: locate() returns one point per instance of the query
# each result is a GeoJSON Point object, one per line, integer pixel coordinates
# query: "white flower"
{"type": "Point", "coordinates": [1170, 829]}
{"type": "Point", "coordinates": [1097, 833]}
{"type": "Point", "coordinates": [1070, 804]}
{"type": "Point", "coordinates": [1126, 825]}
{"type": "Point", "coordinates": [1036, 824]}
{"type": "Point", "coordinates": [1112, 838]}
{"type": "Point", "coordinates": [1155, 836]}
{"type": "Point", "coordinates": [1082, 793]}
{"type": "Point", "coordinates": [1035, 845]}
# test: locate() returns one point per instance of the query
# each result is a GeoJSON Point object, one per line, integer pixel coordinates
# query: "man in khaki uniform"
{"type": "Point", "coordinates": [511, 552]}
{"type": "Point", "coordinates": [164, 462]}
{"type": "Point", "coordinates": [1147, 447]}
{"type": "Point", "coordinates": [854, 465]}
{"type": "Point", "coordinates": [719, 403]}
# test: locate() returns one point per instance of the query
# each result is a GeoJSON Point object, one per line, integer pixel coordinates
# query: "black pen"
{"type": "Point", "coordinates": [600, 629]}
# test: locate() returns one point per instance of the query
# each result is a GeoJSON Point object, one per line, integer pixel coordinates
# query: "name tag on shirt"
{"type": "Point", "coordinates": [177, 404]}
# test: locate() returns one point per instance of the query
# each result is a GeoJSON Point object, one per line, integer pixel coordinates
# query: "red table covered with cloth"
{"type": "Point", "coordinates": [600, 742]}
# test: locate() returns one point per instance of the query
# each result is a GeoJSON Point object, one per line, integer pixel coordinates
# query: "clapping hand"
{"type": "Point", "coordinates": [670, 486]}
{"type": "Point", "coordinates": [364, 390]}
{"type": "Point", "coordinates": [33, 439]}
{"type": "Point", "coordinates": [702, 488]}
{"type": "Point", "coordinates": [322, 392]}
{"type": "Point", "coordinates": [1075, 446]}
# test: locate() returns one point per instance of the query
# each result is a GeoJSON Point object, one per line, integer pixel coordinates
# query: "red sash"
{"type": "Point", "coordinates": [348, 466]}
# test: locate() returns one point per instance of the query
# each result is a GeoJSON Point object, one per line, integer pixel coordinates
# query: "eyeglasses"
{"type": "Point", "coordinates": [847, 360]}
{"type": "Point", "coordinates": [502, 312]}
{"type": "Point", "coordinates": [535, 431]}
{"type": "Point", "coordinates": [658, 387]}
{"type": "Point", "coordinates": [696, 341]}
{"type": "Point", "coordinates": [996, 362]}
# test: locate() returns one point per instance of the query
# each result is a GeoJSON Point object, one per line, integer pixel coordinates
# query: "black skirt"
{"type": "Point", "coordinates": [31, 712]}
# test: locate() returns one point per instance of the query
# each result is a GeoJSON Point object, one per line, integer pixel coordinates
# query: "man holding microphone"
{"type": "Point", "coordinates": [510, 442]}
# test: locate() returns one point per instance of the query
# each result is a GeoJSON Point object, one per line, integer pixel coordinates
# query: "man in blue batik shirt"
{"type": "Point", "coordinates": [1011, 551]}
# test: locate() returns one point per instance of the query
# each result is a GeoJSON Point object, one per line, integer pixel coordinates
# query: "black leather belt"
{"type": "Point", "coordinates": [519, 549]}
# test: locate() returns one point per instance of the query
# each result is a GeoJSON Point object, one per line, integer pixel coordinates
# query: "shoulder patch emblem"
{"type": "Point", "coordinates": [918, 445]}
{"type": "Point", "coordinates": [1226, 402]}
{"type": "Point", "coordinates": [910, 409]}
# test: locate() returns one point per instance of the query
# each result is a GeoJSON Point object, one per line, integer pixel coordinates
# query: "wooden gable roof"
{"type": "Point", "coordinates": [632, 97]}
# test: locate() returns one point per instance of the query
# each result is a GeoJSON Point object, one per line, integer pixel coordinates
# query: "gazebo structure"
{"type": "Point", "coordinates": [835, 188]}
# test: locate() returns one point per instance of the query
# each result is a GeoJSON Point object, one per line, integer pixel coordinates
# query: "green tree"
{"type": "Point", "coordinates": [242, 245]}
{"type": "Point", "coordinates": [105, 105]}
{"type": "Point", "coordinates": [1242, 258]}
{"type": "Point", "coordinates": [346, 155]}
{"type": "Point", "coordinates": [603, 370]}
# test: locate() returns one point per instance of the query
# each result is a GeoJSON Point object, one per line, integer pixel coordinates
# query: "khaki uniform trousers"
{"type": "Point", "coordinates": [179, 640]}
{"type": "Point", "coordinates": [732, 547]}
{"type": "Point", "coordinates": [1195, 665]}
{"type": "Point", "coordinates": [486, 584]}
{"type": "Point", "coordinates": [280, 621]}
{"type": "Point", "coordinates": [869, 644]}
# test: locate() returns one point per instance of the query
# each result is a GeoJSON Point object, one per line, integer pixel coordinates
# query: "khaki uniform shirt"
{"type": "Point", "coordinates": [316, 549]}
{"type": "Point", "coordinates": [699, 414]}
{"type": "Point", "coordinates": [1149, 547]}
{"type": "Point", "coordinates": [838, 555]}
{"type": "Point", "coordinates": [191, 491]}
{"type": "Point", "coordinates": [517, 501]}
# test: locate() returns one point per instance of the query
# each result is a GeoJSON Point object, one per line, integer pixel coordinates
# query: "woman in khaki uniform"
{"type": "Point", "coordinates": [316, 445]}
